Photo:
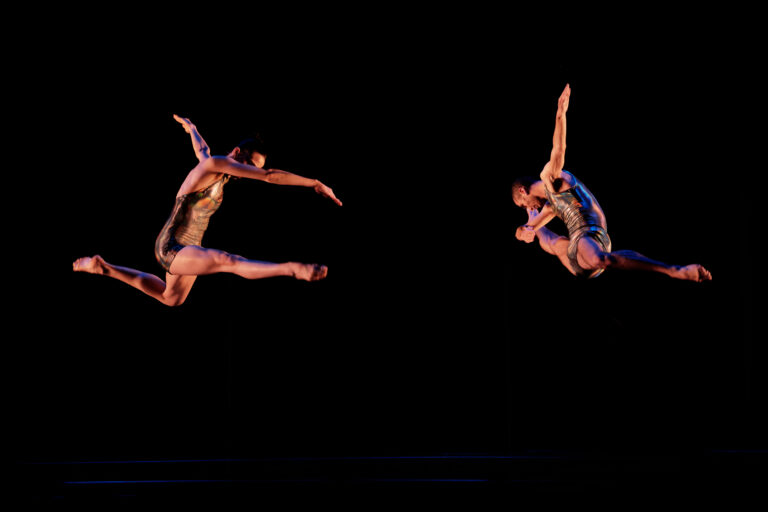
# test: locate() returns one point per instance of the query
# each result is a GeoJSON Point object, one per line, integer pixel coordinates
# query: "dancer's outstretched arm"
{"type": "Point", "coordinates": [554, 167]}
{"type": "Point", "coordinates": [227, 165]}
{"type": "Point", "coordinates": [202, 151]}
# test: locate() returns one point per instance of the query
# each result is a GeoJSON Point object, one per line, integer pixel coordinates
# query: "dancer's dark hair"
{"type": "Point", "coordinates": [252, 144]}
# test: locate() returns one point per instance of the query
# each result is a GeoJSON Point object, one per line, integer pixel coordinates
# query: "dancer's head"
{"type": "Point", "coordinates": [521, 193]}
{"type": "Point", "coordinates": [251, 151]}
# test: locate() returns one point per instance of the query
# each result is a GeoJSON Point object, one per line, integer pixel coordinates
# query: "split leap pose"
{"type": "Point", "coordinates": [178, 248]}
{"type": "Point", "coordinates": [586, 251]}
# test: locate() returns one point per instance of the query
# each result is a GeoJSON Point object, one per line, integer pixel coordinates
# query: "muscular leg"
{"type": "Point", "coordinates": [591, 256]}
{"type": "Point", "coordinates": [551, 243]}
{"type": "Point", "coordinates": [556, 245]}
{"type": "Point", "coordinates": [171, 292]}
{"type": "Point", "coordinates": [194, 260]}
{"type": "Point", "coordinates": [190, 262]}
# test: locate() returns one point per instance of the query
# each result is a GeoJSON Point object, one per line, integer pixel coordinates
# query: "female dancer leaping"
{"type": "Point", "coordinates": [178, 248]}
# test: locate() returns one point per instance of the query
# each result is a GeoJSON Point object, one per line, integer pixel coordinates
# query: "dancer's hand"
{"type": "Point", "coordinates": [186, 123]}
{"type": "Point", "coordinates": [526, 234]}
{"type": "Point", "coordinates": [562, 103]}
{"type": "Point", "coordinates": [326, 191]}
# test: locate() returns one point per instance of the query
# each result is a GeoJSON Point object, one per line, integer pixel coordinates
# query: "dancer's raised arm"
{"type": "Point", "coordinates": [202, 151]}
{"type": "Point", "coordinates": [552, 171]}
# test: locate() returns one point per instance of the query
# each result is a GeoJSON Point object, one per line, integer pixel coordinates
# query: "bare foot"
{"type": "Point", "coordinates": [309, 271]}
{"type": "Point", "coordinates": [693, 272]}
{"type": "Point", "coordinates": [94, 265]}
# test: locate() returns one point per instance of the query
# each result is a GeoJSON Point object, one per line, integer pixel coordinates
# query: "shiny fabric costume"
{"type": "Point", "coordinates": [582, 215]}
{"type": "Point", "coordinates": [188, 221]}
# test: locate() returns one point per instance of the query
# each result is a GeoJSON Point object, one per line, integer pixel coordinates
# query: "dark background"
{"type": "Point", "coordinates": [436, 331]}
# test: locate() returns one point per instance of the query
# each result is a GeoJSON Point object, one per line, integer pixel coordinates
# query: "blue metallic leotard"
{"type": "Point", "coordinates": [582, 215]}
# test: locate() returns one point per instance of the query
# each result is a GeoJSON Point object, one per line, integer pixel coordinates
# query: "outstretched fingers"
{"type": "Point", "coordinates": [562, 102]}
{"type": "Point", "coordinates": [186, 123]}
{"type": "Point", "coordinates": [326, 191]}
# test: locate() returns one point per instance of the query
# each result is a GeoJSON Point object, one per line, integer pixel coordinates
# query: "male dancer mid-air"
{"type": "Point", "coordinates": [586, 251]}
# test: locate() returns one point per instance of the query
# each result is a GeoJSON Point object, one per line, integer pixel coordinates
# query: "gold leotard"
{"type": "Point", "coordinates": [188, 221]}
{"type": "Point", "coordinates": [580, 211]}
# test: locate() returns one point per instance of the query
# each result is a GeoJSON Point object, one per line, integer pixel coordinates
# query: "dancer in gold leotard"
{"type": "Point", "coordinates": [586, 251]}
{"type": "Point", "coordinates": [178, 248]}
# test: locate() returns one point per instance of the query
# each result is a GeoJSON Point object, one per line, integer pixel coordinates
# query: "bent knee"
{"type": "Point", "coordinates": [173, 301]}
{"type": "Point", "coordinates": [597, 260]}
{"type": "Point", "coordinates": [604, 260]}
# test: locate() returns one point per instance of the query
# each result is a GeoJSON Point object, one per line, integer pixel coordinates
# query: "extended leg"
{"type": "Point", "coordinates": [190, 262]}
{"type": "Point", "coordinates": [171, 292]}
{"type": "Point", "coordinates": [591, 256]}
{"type": "Point", "coordinates": [194, 260]}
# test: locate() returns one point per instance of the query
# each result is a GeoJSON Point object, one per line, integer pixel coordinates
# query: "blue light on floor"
{"type": "Point", "coordinates": [394, 480]}
{"type": "Point", "coordinates": [319, 459]}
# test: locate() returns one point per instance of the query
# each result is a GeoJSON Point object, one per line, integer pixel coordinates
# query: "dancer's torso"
{"type": "Point", "coordinates": [577, 207]}
{"type": "Point", "coordinates": [193, 211]}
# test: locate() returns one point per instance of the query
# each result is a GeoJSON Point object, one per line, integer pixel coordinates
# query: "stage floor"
{"type": "Point", "coordinates": [253, 480]}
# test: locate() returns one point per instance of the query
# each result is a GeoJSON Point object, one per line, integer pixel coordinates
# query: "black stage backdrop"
{"type": "Point", "coordinates": [436, 331]}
